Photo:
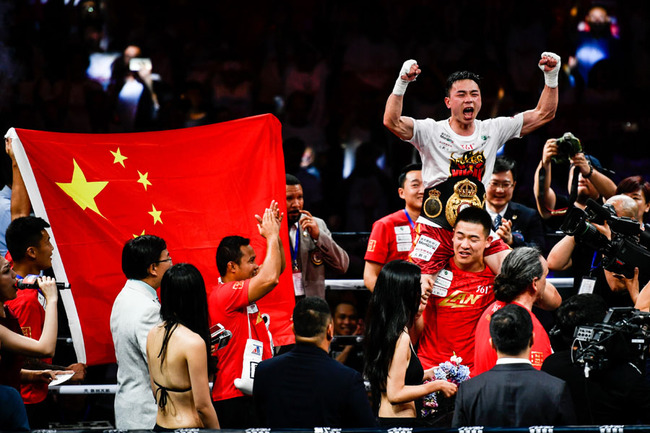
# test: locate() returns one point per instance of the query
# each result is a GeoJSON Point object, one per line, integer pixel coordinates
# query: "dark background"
{"type": "Point", "coordinates": [325, 69]}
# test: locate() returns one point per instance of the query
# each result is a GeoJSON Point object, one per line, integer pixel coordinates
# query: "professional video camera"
{"type": "Point", "coordinates": [628, 248]}
{"type": "Point", "coordinates": [623, 336]}
{"type": "Point", "coordinates": [567, 146]}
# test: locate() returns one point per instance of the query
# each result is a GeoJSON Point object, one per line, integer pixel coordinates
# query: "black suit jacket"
{"type": "Point", "coordinates": [513, 395]}
{"type": "Point", "coordinates": [305, 388]}
{"type": "Point", "coordinates": [527, 229]}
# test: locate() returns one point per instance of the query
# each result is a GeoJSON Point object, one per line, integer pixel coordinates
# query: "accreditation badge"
{"type": "Point", "coordinates": [443, 283]}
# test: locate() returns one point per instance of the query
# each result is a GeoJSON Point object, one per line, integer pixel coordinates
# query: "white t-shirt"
{"type": "Point", "coordinates": [445, 153]}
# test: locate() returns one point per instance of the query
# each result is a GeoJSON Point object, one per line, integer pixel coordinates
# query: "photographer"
{"type": "Point", "coordinates": [591, 183]}
{"type": "Point", "coordinates": [586, 263]}
{"type": "Point", "coordinates": [616, 394]}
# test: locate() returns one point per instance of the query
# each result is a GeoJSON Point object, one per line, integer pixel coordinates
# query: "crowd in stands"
{"type": "Point", "coordinates": [323, 69]}
{"type": "Point", "coordinates": [458, 272]}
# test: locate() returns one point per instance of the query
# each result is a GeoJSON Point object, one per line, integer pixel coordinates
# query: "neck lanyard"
{"type": "Point", "coordinates": [411, 223]}
{"type": "Point", "coordinates": [296, 245]}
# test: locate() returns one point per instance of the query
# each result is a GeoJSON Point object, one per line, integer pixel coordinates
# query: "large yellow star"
{"type": "Point", "coordinates": [156, 215]}
{"type": "Point", "coordinates": [82, 191]}
{"type": "Point", "coordinates": [143, 179]}
{"type": "Point", "coordinates": [119, 158]}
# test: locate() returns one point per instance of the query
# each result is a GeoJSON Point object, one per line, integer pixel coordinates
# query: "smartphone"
{"type": "Point", "coordinates": [138, 63]}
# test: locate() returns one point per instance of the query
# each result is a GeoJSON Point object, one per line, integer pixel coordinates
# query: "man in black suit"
{"type": "Point", "coordinates": [305, 388]}
{"type": "Point", "coordinates": [515, 223]}
{"type": "Point", "coordinates": [513, 393]}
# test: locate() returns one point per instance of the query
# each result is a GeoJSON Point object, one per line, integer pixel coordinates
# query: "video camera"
{"type": "Point", "coordinates": [567, 146]}
{"type": "Point", "coordinates": [623, 336]}
{"type": "Point", "coordinates": [628, 248]}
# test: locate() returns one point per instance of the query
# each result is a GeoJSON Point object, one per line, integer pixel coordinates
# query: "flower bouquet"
{"type": "Point", "coordinates": [452, 371]}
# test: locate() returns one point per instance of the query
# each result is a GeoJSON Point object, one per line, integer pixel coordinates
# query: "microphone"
{"type": "Point", "coordinates": [31, 282]}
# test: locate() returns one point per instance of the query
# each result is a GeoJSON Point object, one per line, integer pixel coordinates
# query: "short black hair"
{"type": "Point", "coordinates": [511, 329]}
{"type": "Point", "coordinates": [503, 164]}
{"type": "Point", "coordinates": [22, 233]}
{"type": "Point", "coordinates": [292, 180]}
{"type": "Point", "coordinates": [229, 250]}
{"type": "Point", "coordinates": [139, 253]}
{"type": "Point", "coordinates": [402, 176]}
{"type": "Point", "coordinates": [311, 317]}
{"type": "Point", "coordinates": [632, 184]}
{"type": "Point", "coordinates": [461, 75]}
{"type": "Point", "coordinates": [476, 215]}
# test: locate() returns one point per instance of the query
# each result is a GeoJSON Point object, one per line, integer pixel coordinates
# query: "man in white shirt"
{"type": "Point", "coordinates": [136, 310]}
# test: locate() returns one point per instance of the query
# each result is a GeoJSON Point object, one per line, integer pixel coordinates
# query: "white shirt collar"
{"type": "Point", "coordinates": [146, 286]}
{"type": "Point", "coordinates": [502, 361]}
{"type": "Point", "coordinates": [494, 214]}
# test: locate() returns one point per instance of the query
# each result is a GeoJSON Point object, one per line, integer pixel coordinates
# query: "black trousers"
{"type": "Point", "coordinates": [237, 413]}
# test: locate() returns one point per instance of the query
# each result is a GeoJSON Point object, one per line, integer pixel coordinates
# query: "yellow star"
{"type": "Point", "coordinates": [155, 214]}
{"type": "Point", "coordinates": [82, 191]}
{"type": "Point", "coordinates": [143, 179]}
{"type": "Point", "coordinates": [119, 158]}
{"type": "Point", "coordinates": [141, 234]}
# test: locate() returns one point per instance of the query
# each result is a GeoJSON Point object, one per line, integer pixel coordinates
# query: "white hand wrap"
{"type": "Point", "coordinates": [550, 77]}
{"type": "Point", "coordinates": [400, 85]}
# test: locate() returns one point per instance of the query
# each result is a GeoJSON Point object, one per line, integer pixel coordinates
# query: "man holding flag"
{"type": "Point", "coordinates": [97, 190]}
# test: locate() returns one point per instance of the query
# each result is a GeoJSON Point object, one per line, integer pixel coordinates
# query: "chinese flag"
{"type": "Point", "coordinates": [191, 187]}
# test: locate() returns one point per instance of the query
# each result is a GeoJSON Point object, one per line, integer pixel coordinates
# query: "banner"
{"type": "Point", "coordinates": [191, 187]}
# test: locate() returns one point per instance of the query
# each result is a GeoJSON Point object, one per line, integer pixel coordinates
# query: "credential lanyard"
{"type": "Point", "coordinates": [295, 247]}
{"type": "Point", "coordinates": [411, 223]}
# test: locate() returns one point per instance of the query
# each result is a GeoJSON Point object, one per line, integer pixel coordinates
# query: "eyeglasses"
{"type": "Point", "coordinates": [502, 185]}
{"type": "Point", "coordinates": [168, 259]}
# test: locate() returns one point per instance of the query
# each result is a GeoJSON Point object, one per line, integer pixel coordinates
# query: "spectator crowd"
{"type": "Point", "coordinates": [496, 199]}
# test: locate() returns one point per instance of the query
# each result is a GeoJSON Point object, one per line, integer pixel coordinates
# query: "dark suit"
{"type": "Point", "coordinates": [513, 395]}
{"type": "Point", "coordinates": [527, 229]}
{"type": "Point", "coordinates": [305, 388]}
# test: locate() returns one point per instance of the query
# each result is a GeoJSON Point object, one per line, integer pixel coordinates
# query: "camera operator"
{"type": "Point", "coordinates": [617, 394]}
{"type": "Point", "coordinates": [591, 182]}
{"type": "Point", "coordinates": [588, 273]}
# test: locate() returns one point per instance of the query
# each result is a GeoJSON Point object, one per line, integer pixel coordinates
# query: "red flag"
{"type": "Point", "coordinates": [191, 187]}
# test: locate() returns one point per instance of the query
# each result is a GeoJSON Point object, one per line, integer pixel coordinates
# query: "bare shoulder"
{"type": "Point", "coordinates": [155, 335]}
{"type": "Point", "coordinates": [403, 342]}
{"type": "Point", "coordinates": [186, 338]}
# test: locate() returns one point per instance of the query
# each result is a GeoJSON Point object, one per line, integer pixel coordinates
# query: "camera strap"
{"type": "Point", "coordinates": [541, 193]}
{"type": "Point", "coordinates": [573, 192]}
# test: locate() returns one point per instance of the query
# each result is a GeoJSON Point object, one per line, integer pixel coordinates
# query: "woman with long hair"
{"type": "Point", "coordinates": [14, 346]}
{"type": "Point", "coordinates": [392, 366]}
{"type": "Point", "coordinates": [178, 353]}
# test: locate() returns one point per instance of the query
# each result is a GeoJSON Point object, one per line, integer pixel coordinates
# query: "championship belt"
{"type": "Point", "coordinates": [443, 202]}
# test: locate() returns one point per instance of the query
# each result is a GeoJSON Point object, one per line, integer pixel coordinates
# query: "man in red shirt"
{"type": "Point", "coordinates": [232, 304]}
{"type": "Point", "coordinates": [31, 251]}
{"type": "Point", "coordinates": [392, 236]}
{"type": "Point", "coordinates": [462, 290]}
{"type": "Point", "coordinates": [522, 281]}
